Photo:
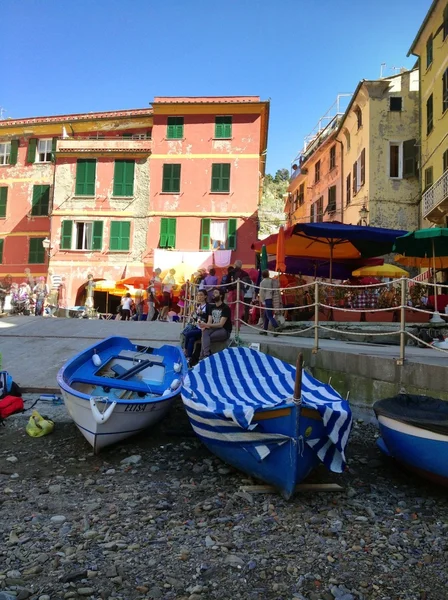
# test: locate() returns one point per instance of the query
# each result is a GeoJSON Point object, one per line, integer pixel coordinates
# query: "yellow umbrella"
{"type": "Point", "coordinates": [385, 270]}
{"type": "Point", "coordinates": [107, 285]}
{"type": "Point", "coordinates": [438, 262]}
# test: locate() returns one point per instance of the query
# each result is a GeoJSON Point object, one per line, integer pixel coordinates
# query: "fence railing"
{"type": "Point", "coordinates": [320, 304]}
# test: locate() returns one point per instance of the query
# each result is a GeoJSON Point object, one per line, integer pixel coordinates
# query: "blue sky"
{"type": "Point", "coordinates": [64, 56]}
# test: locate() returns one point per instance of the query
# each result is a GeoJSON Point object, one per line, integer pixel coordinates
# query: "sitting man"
{"type": "Point", "coordinates": [219, 324]}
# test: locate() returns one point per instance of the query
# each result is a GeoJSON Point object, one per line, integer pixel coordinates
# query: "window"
{"type": "Point", "coordinates": [445, 91]}
{"type": "Point", "coordinates": [395, 161]}
{"type": "Point", "coordinates": [410, 157]}
{"type": "Point", "coordinates": [3, 200]}
{"type": "Point", "coordinates": [5, 153]}
{"type": "Point", "coordinates": [320, 209]}
{"type": "Point", "coordinates": [428, 178]}
{"type": "Point", "coordinates": [223, 127]}
{"type": "Point", "coordinates": [301, 197]}
{"type": "Point", "coordinates": [167, 233]}
{"type": "Point", "coordinates": [429, 52]}
{"type": "Point", "coordinates": [359, 172]}
{"type": "Point", "coordinates": [396, 104]}
{"type": "Point", "coordinates": [355, 178]}
{"type": "Point", "coordinates": [445, 23]}
{"type": "Point", "coordinates": [332, 157]}
{"type": "Point", "coordinates": [218, 234]}
{"type": "Point", "coordinates": [85, 177]}
{"type": "Point", "coordinates": [120, 236]}
{"type": "Point", "coordinates": [221, 177]}
{"type": "Point", "coordinates": [358, 113]}
{"type": "Point", "coordinates": [87, 235]}
{"type": "Point", "coordinates": [429, 115]}
{"type": "Point", "coordinates": [445, 161]}
{"type": "Point", "coordinates": [317, 172]}
{"type": "Point", "coordinates": [362, 167]}
{"type": "Point", "coordinates": [331, 207]}
{"type": "Point", "coordinates": [2, 242]}
{"type": "Point", "coordinates": [41, 200]}
{"type": "Point", "coordinates": [36, 254]}
{"type": "Point", "coordinates": [348, 189]}
{"type": "Point", "coordinates": [175, 128]}
{"type": "Point", "coordinates": [124, 177]}
{"type": "Point", "coordinates": [171, 179]}
{"type": "Point", "coordinates": [44, 150]}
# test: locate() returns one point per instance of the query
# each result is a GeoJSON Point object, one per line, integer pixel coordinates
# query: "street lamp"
{"type": "Point", "coordinates": [363, 214]}
{"type": "Point", "coordinates": [47, 246]}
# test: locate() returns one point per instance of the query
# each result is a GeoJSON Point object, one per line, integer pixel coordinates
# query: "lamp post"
{"type": "Point", "coordinates": [363, 214]}
{"type": "Point", "coordinates": [46, 243]}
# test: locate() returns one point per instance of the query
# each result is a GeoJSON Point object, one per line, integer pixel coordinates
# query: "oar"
{"type": "Point", "coordinates": [298, 382]}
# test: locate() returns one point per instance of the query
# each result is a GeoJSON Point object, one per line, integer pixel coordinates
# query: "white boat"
{"type": "Point", "coordinates": [116, 389]}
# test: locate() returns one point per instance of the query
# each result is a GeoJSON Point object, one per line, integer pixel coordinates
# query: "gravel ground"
{"type": "Point", "coordinates": [159, 517]}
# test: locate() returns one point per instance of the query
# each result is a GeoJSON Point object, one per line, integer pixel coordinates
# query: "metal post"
{"type": "Point", "coordinates": [316, 317]}
{"type": "Point", "coordinates": [186, 303]}
{"type": "Point", "coordinates": [401, 360]}
{"type": "Point", "coordinates": [237, 310]}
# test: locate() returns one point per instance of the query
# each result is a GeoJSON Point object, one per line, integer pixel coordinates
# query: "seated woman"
{"type": "Point", "coordinates": [194, 333]}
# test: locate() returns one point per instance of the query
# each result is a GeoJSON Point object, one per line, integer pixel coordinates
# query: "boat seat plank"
{"type": "Point", "coordinates": [139, 356]}
{"type": "Point", "coordinates": [120, 384]}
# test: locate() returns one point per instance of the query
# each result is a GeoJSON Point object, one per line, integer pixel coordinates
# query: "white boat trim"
{"type": "Point", "coordinates": [407, 429]}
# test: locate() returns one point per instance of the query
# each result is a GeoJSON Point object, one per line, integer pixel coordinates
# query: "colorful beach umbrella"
{"type": "Point", "coordinates": [385, 270]}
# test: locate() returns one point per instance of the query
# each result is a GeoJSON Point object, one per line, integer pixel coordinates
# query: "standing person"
{"type": "Point", "coordinates": [248, 295]}
{"type": "Point", "coordinates": [210, 282]}
{"type": "Point", "coordinates": [267, 289]}
{"type": "Point", "coordinates": [126, 306]}
{"type": "Point", "coordinates": [153, 313]}
{"type": "Point", "coordinates": [139, 302]}
{"type": "Point", "coordinates": [40, 292]}
{"type": "Point", "coordinates": [227, 278]}
{"type": "Point", "coordinates": [168, 285]}
{"type": "Point", "coordinates": [5, 288]}
{"type": "Point", "coordinates": [237, 274]}
{"type": "Point", "coordinates": [219, 324]}
{"type": "Point", "coordinates": [90, 288]}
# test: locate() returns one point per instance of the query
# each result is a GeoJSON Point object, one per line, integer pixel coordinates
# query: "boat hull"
{"type": "Point", "coordinates": [286, 465]}
{"type": "Point", "coordinates": [125, 421]}
{"type": "Point", "coordinates": [420, 450]}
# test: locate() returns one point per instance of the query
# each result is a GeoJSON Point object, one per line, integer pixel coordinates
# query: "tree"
{"type": "Point", "coordinates": [271, 212]}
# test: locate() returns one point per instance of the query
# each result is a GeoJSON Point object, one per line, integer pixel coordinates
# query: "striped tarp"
{"type": "Point", "coordinates": [234, 383]}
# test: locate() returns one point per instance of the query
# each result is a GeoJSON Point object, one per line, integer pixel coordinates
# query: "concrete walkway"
{"type": "Point", "coordinates": [34, 348]}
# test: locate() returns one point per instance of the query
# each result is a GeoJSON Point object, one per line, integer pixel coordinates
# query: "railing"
{"type": "Point", "coordinates": [318, 302]}
{"type": "Point", "coordinates": [435, 195]}
{"type": "Point", "coordinates": [104, 145]}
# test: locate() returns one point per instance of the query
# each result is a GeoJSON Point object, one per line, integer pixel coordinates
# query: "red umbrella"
{"type": "Point", "coordinates": [364, 280]}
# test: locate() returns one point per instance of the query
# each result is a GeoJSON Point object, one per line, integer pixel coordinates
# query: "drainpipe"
{"type": "Point", "coordinates": [342, 179]}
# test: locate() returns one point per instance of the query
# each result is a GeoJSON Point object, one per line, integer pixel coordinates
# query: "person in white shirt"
{"type": "Point", "coordinates": [267, 290]}
{"type": "Point", "coordinates": [126, 305]}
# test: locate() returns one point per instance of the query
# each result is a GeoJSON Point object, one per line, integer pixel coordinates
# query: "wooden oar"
{"type": "Point", "coordinates": [298, 382]}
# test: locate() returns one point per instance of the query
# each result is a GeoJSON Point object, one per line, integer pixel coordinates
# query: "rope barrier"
{"type": "Point", "coordinates": [398, 331]}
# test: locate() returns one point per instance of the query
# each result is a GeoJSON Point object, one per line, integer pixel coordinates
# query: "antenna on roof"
{"type": "Point", "coordinates": [383, 66]}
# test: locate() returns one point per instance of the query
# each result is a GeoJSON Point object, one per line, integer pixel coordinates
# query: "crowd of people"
{"type": "Point", "coordinates": [30, 296]}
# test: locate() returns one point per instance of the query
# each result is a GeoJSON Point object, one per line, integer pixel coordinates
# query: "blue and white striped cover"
{"type": "Point", "coordinates": [238, 381]}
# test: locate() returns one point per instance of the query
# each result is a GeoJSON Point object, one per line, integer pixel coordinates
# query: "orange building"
{"type": "Point", "coordinates": [116, 194]}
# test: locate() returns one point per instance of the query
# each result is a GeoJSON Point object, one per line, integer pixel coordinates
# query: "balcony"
{"type": "Point", "coordinates": [78, 146]}
{"type": "Point", "coordinates": [435, 200]}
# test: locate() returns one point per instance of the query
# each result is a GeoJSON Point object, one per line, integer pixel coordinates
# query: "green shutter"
{"type": "Point", "coordinates": [172, 233]}
{"type": "Point", "coordinates": [167, 233]}
{"type": "Point", "coordinates": [3, 200]}
{"type": "Point", "coordinates": [205, 234]}
{"type": "Point", "coordinates": [31, 154]}
{"type": "Point", "coordinates": [175, 128]}
{"type": "Point", "coordinates": [14, 152]}
{"type": "Point", "coordinates": [231, 234]}
{"type": "Point", "coordinates": [409, 158]}
{"type": "Point", "coordinates": [127, 136]}
{"type": "Point", "coordinates": [66, 235]}
{"type": "Point", "coordinates": [54, 143]}
{"type": "Point", "coordinates": [221, 177]}
{"type": "Point", "coordinates": [1, 251]}
{"type": "Point", "coordinates": [36, 252]}
{"type": "Point", "coordinates": [223, 127]}
{"type": "Point", "coordinates": [120, 235]}
{"type": "Point", "coordinates": [41, 200]}
{"type": "Point", "coordinates": [97, 238]}
{"type": "Point", "coordinates": [171, 179]}
{"type": "Point", "coordinates": [163, 233]}
{"type": "Point", "coordinates": [124, 177]}
{"type": "Point", "coordinates": [85, 177]}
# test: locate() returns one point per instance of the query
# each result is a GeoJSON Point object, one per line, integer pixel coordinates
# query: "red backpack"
{"type": "Point", "coordinates": [10, 405]}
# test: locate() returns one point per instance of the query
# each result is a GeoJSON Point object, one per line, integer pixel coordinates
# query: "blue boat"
{"type": "Point", "coordinates": [247, 409]}
{"type": "Point", "coordinates": [115, 389]}
{"type": "Point", "coordinates": [414, 431]}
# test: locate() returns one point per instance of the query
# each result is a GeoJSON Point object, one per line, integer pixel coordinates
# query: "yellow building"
{"type": "Point", "coordinates": [379, 135]}
{"type": "Point", "coordinates": [431, 47]}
